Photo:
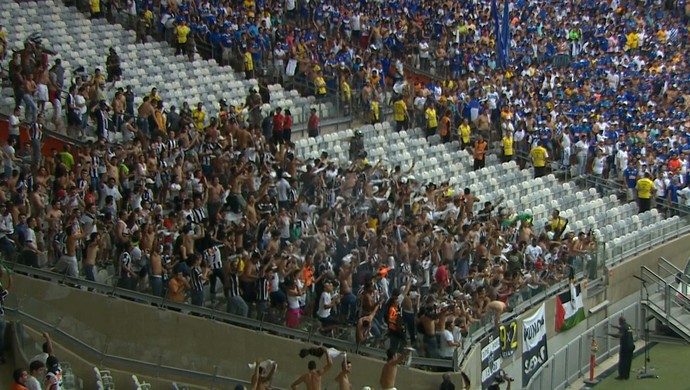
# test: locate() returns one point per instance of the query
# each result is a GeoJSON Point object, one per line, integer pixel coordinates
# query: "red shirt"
{"type": "Point", "coordinates": [313, 122]}
{"type": "Point", "coordinates": [442, 276]}
{"type": "Point", "coordinates": [287, 124]}
{"type": "Point", "coordinates": [278, 120]}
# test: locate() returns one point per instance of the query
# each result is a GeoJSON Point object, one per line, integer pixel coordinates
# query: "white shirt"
{"type": "Point", "coordinates": [14, 125]}
{"type": "Point", "coordinates": [114, 192]}
{"type": "Point", "coordinates": [566, 142]}
{"type": "Point", "coordinates": [581, 147]}
{"type": "Point", "coordinates": [356, 22]}
{"type": "Point", "coordinates": [660, 187]}
{"type": "Point", "coordinates": [80, 102]}
{"type": "Point", "coordinates": [290, 5]}
{"type": "Point", "coordinates": [492, 98]}
{"type": "Point", "coordinates": [532, 252]}
{"type": "Point", "coordinates": [423, 50]}
{"type": "Point", "coordinates": [6, 224]}
{"type": "Point", "coordinates": [445, 350]}
{"type": "Point", "coordinates": [33, 384]}
{"type": "Point", "coordinates": [30, 240]}
{"type": "Point", "coordinates": [598, 167]}
{"type": "Point", "coordinates": [279, 55]}
{"type": "Point", "coordinates": [622, 159]}
{"type": "Point", "coordinates": [324, 311]}
{"type": "Point", "coordinates": [282, 187]}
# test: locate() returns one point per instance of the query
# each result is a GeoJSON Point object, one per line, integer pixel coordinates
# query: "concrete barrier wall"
{"type": "Point", "coordinates": [140, 332]}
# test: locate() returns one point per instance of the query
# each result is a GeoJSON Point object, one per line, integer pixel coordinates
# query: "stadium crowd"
{"type": "Point", "coordinates": [184, 200]}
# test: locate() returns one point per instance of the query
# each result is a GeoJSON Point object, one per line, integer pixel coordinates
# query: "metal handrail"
{"type": "Point", "coordinates": [244, 322]}
{"type": "Point", "coordinates": [672, 296]}
{"type": "Point", "coordinates": [110, 360]}
{"type": "Point", "coordinates": [665, 263]}
{"type": "Point", "coordinates": [584, 341]}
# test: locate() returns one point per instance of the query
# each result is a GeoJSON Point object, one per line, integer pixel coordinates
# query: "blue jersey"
{"type": "Point", "coordinates": [631, 177]}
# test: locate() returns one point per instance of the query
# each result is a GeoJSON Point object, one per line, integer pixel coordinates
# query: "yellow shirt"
{"type": "Point", "coordinates": [507, 146]}
{"type": "Point", "coordinates": [375, 115]}
{"type": "Point", "coordinates": [198, 117]}
{"type": "Point", "coordinates": [320, 85]}
{"type": "Point", "coordinates": [431, 120]}
{"type": "Point", "coordinates": [345, 91]}
{"type": "Point", "coordinates": [464, 133]}
{"type": "Point", "coordinates": [557, 224]}
{"type": "Point", "coordinates": [182, 32]}
{"type": "Point", "coordinates": [95, 6]}
{"type": "Point", "coordinates": [399, 110]}
{"type": "Point", "coordinates": [373, 223]}
{"type": "Point", "coordinates": [154, 99]}
{"type": "Point", "coordinates": [632, 41]}
{"type": "Point", "coordinates": [644, 188]}
{"type": "Point", "coordinates": [538, 155]}
{"type": "Point", "coordinates": [248, 62]}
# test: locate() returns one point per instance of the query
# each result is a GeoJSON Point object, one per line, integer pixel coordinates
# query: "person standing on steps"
{"type": "Point", "coordinates": [313, 124]}
{"type": "Point", "coordinates": [627, 347]}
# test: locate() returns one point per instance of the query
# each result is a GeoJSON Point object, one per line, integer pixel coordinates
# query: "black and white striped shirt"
{"type": "Point", "coordinates": [171, 144]}
{"type": "Point", "coordinates": [196, 279]}
{"type": "Point", "coordinates": [207, 150]}
{"type": "Point", "coordinates": [98, 165]}
{"type": "Point", "coordinates": [263, 289]}
{"type": "Point", "coordinates": [212, 258]}
{"type": "Point", "coordinates": [36, 132]}
{"type": "Point", "coordinates": [197, 215]}
{"type": "Point", "coordinates": [234, 285]}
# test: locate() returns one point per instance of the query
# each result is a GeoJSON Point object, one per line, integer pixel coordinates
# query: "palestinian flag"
{"type": "Point", "coordinates": [569, 308]}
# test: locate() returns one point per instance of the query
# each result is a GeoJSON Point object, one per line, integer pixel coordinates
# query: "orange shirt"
{"type": "Point", "coordinates": [393, 317]}
{"type": "Point", "coordinates": [445, 126]}
{"type": "Point", "coordinates": [17, 386]}
{"type": "Point", "coordinates": [479, 149]}
{"type": "Point", "coordinates": [176, 290]}
{"type": "Point", "coordinates": [674, 164]}
{"type": "Point", "coordinates": [308, 275]}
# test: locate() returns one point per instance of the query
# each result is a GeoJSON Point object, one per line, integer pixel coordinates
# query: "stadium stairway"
{"type": "Point", "coordinates": [665, 299]}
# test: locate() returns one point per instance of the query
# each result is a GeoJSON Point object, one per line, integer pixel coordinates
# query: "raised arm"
{"type": "Point", "coordinates": [297, 382]}
{"type": "Point", "coordinates": [329, 362]}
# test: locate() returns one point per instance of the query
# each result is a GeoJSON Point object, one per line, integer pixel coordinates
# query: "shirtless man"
{"type": "Point", "coordinates": [155, 259]}
{"type": "Point", "coordinates": [42, 81]}
{"type": "Point", "coordinates": [214, 192]}
{"type": "Point", "coordinates": [390, 369]}
{"type": "Point", "coordinates": [343, 378]}
{"type": "Point", "coordinates": [68, 261]}
{"type": "Point", "coordinates": [92, 247]}
{"type": "Point", "coordinates": [312, 379]}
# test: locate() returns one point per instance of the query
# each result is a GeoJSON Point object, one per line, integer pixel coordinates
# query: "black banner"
{"type": "Point", "coordinates": [509, 338]}
{"type": "Point", "coordinates": [491, 358]}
